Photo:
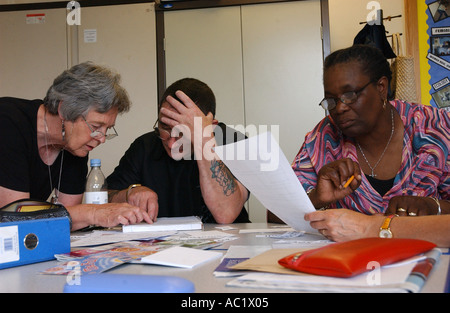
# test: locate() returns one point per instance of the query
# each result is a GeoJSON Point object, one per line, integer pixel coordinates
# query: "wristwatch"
{"type": "Point", "coordinates": [385, 230]}
{"type": "Point", "coordinates": [129, 188]}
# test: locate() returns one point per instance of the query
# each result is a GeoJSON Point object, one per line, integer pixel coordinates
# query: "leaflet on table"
{"type": "Point", "coordinates": [181, 257]}
{"type": "Point", "coordinates": [261, 166]}
{"type": "Point", "coordinates": [100, 259]}
{"type": "Point", "coordinates": [99, 237]}
{"type": "Point", "coordinates": [236, 255]}
{"type": "Point", "coordinates": [93, 264]}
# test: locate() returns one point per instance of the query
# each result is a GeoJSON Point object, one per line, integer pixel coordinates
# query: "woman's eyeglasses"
{"type": "Point", "coordinates": [347, 98]}
{"type": "Point", "coordinates": [98, 134]}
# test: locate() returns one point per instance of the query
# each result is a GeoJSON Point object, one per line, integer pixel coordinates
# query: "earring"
{"type": "Point", "coordinates": [63, 130]}
{"type": "Point", "coordinates": [384, 104]}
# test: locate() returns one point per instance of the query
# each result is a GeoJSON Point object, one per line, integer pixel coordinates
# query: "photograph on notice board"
{"type": "Point", "coordinates": [440, 46]}
{"type": "Point", "coordinates": [442, 98]}
{"type": "Point", "coordinates": [439, 10]}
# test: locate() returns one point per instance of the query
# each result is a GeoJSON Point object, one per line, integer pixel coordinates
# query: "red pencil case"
{"type": "Point", "coordinates": [347, 259]}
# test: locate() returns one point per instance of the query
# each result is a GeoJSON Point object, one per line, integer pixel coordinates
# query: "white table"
{"type": "Point", "coordinates": [27, 279]}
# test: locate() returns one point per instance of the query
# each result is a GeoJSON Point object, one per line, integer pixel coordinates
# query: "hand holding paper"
{"type": "Point", "coordinates": [260, 165]}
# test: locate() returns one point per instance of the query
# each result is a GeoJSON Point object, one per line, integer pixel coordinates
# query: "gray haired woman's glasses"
{"type": "Point", "coordinates": [98, 134]}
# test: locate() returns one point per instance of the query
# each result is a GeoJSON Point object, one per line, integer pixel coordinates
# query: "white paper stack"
{"type": "Point", "coordinates": [166, 224]}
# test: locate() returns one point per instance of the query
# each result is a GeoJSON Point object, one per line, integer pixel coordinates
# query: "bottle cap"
{"type": "Point", "coordinates": [96, 162]}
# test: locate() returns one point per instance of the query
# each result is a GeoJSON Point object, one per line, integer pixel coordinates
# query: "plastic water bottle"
{"type": "Point", "coordinates": [96, 187]}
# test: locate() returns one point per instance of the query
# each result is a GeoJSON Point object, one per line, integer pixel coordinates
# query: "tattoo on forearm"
{"type": "Point", "coordinates": [223, 176]}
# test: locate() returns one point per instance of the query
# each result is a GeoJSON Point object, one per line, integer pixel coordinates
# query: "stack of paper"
{"type": "Point", "coordinates": [166, 223]}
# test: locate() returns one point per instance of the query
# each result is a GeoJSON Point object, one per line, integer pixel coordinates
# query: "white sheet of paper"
{"type": "Point", "coordinates": [181, 257]}
{"type": "Point", "coordinates": [260, 165]}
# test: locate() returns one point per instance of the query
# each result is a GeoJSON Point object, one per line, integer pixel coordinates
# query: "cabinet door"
{"type": "Point", "coordinates": [283, 61]}
{"type": "Point", "coordinates": [32, 51]}
{"type": "Point", "coordinates": [206, 44]}
{"type": "Point", "coordinates": [123, 37]}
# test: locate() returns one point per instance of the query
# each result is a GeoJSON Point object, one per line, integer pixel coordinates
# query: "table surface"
{"type": "Point", "coordinates": [28, 279]}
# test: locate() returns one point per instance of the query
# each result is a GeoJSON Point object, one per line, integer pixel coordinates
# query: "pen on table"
{"type": "Point", "coordinates": [349, 181]}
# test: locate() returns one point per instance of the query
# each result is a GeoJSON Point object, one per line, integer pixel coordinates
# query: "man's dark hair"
{"type": "Point", "coordinates": [198, 91]}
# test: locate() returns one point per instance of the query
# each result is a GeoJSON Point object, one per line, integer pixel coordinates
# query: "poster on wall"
{"type": "Point", "coordinates": [439, 53]}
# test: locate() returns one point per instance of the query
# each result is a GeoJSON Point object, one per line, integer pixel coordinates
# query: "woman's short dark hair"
{"type": "Point", "coordinates": [86, 86]}
{"type": "Point", "coordinates": [373, 63]}
{"type": "Point", "coordinates": [198, 91]}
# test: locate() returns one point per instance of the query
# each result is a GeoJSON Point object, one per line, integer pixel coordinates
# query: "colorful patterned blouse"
{"type": "Point", "coordinates": [425, 167]}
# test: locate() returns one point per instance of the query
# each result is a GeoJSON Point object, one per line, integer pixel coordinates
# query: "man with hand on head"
{"type": "Point", "coordinates": [173, 170]}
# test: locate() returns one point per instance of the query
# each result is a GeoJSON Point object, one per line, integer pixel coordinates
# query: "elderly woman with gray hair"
{"type": "Point", "coordinates": [45, 144]}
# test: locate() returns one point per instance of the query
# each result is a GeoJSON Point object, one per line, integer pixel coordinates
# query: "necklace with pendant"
{"type": "Point", "coordinates": [387, 145]}
{"type": "Point", "coordinates": [55, 197]}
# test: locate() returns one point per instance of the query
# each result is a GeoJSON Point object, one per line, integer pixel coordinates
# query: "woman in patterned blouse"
{"type": "Point", "coordinates": [397, 152]}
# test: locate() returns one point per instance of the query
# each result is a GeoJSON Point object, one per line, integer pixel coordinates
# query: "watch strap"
{"type": "Point", "coordinates": [387, 222]}
{"type": "Point", "coordinates": [385, 231]}
{"type": "Point", "coordinates": [129, 188]}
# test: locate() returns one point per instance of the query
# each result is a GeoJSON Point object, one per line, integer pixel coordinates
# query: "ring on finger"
{"type": "Point", "coordinates": [401, 210]}
{"type": "Point", "coordinates": [412, 214]}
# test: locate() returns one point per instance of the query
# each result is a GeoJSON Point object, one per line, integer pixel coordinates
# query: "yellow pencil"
{"type": "Point", "coordinates": [349, 181]}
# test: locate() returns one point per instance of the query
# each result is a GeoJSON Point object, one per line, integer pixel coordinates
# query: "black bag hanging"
{"type": "Point", "coordinates": [375, 35]}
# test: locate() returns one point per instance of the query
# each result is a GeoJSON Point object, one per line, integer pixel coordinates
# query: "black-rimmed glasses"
{"type": "Point", "coordinates": [161, 133]}
{"type": "Point", "coordinates": [347, 98]}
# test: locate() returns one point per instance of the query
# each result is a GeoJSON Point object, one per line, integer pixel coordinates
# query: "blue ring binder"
{"type": "Point", "coordinates": [33, 241]}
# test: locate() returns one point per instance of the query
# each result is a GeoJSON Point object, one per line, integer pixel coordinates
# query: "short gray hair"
{"type": "Point", "coordinates": [84, 87]}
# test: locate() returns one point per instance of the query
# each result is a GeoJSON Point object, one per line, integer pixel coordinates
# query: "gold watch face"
{"type": "Point", "coordinates": [385, 233]}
